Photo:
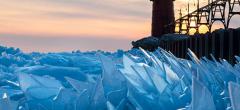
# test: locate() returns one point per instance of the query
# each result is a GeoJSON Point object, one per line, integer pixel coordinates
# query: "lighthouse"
{"type": "Point", "coordinates": [162, 15]}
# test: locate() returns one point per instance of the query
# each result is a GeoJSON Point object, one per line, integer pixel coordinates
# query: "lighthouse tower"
{"type": "Point", "coordinates": [162, 15]}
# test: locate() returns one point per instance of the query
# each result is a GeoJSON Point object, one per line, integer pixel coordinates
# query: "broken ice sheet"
{"type": "Point", "coordinates": [6, 103]}
{"type": "Point", "coordinates": [201, 97]}
{"type": "Point", "coordinates": [33, 85]}
{"type": "Point", "coordinates": [130, 74]}
{"type": "Point", "coordinates": [80, 86]}
{"type": "Point", "coordinates": [114, 83]}
{"type": "Point", "coordinates": [137, 80]}
{"type": "Point", "coordinates": [56, 72]}
{"type": "Point", "coordinates": [110, 106]}
{"type": "Point", "coordinates": [65, 100]}
{"type": "Point", "coordinates": [234, 93]}
{"type": "Point", "coordinates": [159, 83]}
{"type": "Point", "coordinates": [97, 99]}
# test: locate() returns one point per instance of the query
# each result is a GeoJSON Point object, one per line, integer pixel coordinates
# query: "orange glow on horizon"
{"type": "Point", "coordinates": [42, 18]}
{"type": "Point", "coordinates": [77, 27]}
{"type": "Point", "coordinates": [32, 18]}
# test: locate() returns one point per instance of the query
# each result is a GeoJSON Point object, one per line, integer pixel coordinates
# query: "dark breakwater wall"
{"type": "Point", "coordinates": [222, 44]}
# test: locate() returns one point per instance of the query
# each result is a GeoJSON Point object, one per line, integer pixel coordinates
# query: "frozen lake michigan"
{"type": "Point", "coordinates": [131, 80]}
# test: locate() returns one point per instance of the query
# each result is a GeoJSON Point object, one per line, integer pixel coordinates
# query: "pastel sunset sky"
{"type": "Point", "coordinates": [66, 25]}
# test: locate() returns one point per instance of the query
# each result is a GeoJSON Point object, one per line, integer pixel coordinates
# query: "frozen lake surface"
{"type": "Point", "coordinates": [132, 80]}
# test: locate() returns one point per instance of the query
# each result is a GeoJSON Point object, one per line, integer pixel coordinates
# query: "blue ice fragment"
{"type": "Point", "coordinates": [26, 81]}
{"type": "Point", "coordinates": [238, 59]}
{"type": "Point", "coordinates": [201, 97]}
{"type": "Point", "coordinates": [193, 57]}
{"type": "Point", "coordinates": [93, 94]}
{"type": "Point", "coordinates": [110, 106]}
{"type": "Point", "coordinates": [32, 85]}
{"type": "Point", "coordinates": [83, 101]}
{"type": "Point", "coordinates": [80, 86]}
{"type": "Point", "coordinates": [6, 103]}
{"type": "Point", "coordinates": [98, 100]}
{"type": "Point", "coordinates": [140, 70]}
{"type": "Point", "coordinates": [12, 93]}
{"type": "Point", "coordinates": [142, 100]}
{"type": "Point", "coordinates": [130, 74]}
{"type": "Point", "coordinates": [54, 59]}
{"type": "Point", "coordinates": [171, 75]}
{"type": "Point", "coordinates": [234, 93]}
{"type": "Point", "coordinates": [54, 71]}
{"type": "Point", "coordinates": [46, 93]}
{"type": "Point", "coordinates": [159, 83]}
{"type": "Point", "coordinates": [114, 83]}
{"type": "Point", "coordinates": [47, 82]}
{"type": "Point", "coordinates": [65, 100]}
{"type": "Point", "coordinates": [122, 105]}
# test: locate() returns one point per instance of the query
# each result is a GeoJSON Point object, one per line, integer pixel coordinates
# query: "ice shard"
{"type": "Point", "coordinates": [201, 97]}
{"type": "Point", "coordinates": [234, 93]}
{"type": "Point", "coordinates": [65, 100]}
{"type": "Point", "coordinates": [97, 99]}
{"type": "Point", "coordinates": [80, 86]}
{"type": "Point", "coordinates": [7, 104]}
{"type": "Point", "coordinates": [110, 106]}
{"type": "Point", "coordinates": [114, 83]}
{"type": "Point", "coordinates": [32, 85]}
{"type": "Point", "coordinates": [159, 83]}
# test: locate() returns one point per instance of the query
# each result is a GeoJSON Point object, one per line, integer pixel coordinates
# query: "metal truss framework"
{"type": "Point", "coordinates": [207, 15]}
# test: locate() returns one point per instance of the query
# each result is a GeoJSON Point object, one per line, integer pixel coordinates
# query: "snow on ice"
{"type": "Point", "coordinates": [132, 80]}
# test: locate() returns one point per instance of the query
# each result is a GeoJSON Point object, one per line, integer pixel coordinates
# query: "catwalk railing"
{"type": "Point", "coordinates": [223, 44]}
{"type": "Point", "coordinates": [219, 10]}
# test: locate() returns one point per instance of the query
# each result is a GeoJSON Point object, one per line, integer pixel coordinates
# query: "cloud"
{"type": "Point", "coordinates": [110, 9]}
{"type": "Point", "coordinates": [93, 16]}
